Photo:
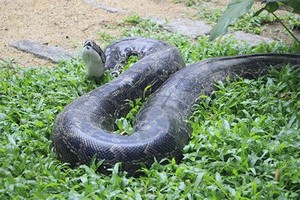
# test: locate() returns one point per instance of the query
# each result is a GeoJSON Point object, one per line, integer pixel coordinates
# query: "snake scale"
{"type": "Point", "coordinates": [85, 129]}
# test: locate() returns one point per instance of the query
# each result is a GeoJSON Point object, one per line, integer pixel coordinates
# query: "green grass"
{"type": "Point", "coordinates": [243, 135]}
{"type": "Point", "coordinates": [247, 132]}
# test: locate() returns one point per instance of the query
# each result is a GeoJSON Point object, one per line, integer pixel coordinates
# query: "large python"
{"type": "Point", "coordinates": [85, 129]}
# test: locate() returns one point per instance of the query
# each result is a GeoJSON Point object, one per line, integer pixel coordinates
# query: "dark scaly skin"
{"type": "Point", "coordinates": [119, 51]}
{"type": "Point", "coordinates": [85, 128]}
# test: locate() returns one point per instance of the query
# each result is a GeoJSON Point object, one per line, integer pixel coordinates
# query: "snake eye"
{"type": "Point", "coordinates": [88, 43]}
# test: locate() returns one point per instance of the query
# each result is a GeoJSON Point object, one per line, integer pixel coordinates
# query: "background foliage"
{"type": "Point", "coordinates": [237, 8]}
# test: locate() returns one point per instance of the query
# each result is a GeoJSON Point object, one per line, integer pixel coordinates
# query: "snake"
{"type": "Point", "coordinates": [85, 130]}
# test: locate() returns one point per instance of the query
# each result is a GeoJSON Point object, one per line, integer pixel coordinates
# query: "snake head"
{"type": "Point", "coordinates": [92, 51]}
{"type": "Point", "coordinates": [94, 59]}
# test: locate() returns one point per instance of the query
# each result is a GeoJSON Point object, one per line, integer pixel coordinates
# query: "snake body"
{"type": "Point", "coordinates": [85, 129]}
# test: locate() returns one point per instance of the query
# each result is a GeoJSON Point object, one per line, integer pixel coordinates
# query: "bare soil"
{"type": "Point", "coordinates": [68, 23]}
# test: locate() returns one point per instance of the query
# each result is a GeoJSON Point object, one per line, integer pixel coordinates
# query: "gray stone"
{"type": "Point", "coordinates": [251, 39]}
{"type": "Point", "coordinates": [188, 27]}
{"type": "Point", "coordinates": [156, 20]}
{"type": "Point", "coordinates": [54, 54]}
{"type": "Point", "coordinates": [103, 7]}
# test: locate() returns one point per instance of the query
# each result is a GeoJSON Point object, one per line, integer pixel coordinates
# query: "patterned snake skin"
{"type": "Point", "coordinates": [85, 129]}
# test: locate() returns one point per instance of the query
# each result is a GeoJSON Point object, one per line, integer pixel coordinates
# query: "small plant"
{"type": "Point", "coordinates": [105, 39]}
{"type": "Point", "coordinates": [125, 124]}
{"type": "Point", "coordinates": [131, 60]}
{"type": "Point", "coordinates": [133, 19]}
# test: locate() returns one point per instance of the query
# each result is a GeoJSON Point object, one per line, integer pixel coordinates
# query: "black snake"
{"type": "Point", "coordinates": [85, 129]}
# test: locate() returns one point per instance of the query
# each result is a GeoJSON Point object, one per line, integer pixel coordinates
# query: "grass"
{"type": "Point", "coordinates": [248, 134]}
{"type": "Point", "coordinates": [244, 145]}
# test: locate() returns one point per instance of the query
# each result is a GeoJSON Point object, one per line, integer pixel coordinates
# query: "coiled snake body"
{"type": "Point", "coordinates": [85, 128]}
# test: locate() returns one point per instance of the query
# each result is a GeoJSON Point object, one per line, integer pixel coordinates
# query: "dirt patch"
{"type": "Point", "coordinates": [69, 23]}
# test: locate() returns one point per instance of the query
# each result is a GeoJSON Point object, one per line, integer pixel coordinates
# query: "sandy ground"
{"type": "Point", "coordinates": [68, 23]}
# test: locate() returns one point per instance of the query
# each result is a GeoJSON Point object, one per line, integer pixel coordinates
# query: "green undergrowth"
{"type": "Point", "coordinates": [245, 142]}
{"type": "Point", "coordinates": [244, 145]}
{"type": "Point", "coordinates": [247, 136]}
